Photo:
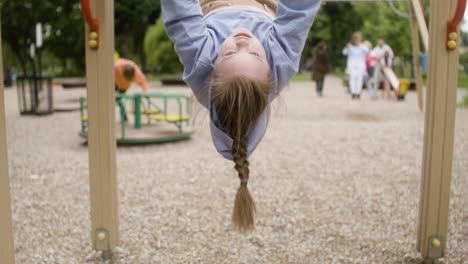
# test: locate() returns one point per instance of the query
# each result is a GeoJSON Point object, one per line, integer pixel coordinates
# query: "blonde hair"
{"type": "Point", "coordinates": [355, 36]}
{"type": "Point", "coordinates": [239, 104]}
{"type": "Point", "coordinates": [368, 44]}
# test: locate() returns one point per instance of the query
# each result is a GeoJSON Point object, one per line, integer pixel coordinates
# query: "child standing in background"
{"type": "Point", "coordinates": [371, 63]}
{"type": "Point", "coordinates": [356, 64]}
{"type": "Point", "coordinates": [386, 61]}
{"type": "Point", "coordinates": [238, 55]}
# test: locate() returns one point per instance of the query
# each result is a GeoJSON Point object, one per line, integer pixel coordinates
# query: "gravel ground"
{"type": "Point", "coordinates": [335, 181]}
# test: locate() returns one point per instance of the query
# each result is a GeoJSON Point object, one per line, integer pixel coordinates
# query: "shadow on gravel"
{"type": "Point", "coordinates": [356, 116]}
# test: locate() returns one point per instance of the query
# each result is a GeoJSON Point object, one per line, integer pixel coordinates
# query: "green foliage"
{"type": "Point", "coordinates": [464, 103]}
{"type": "Point", "coordinates": [463, 79]}
{"type": "Point", "coordinates": [381, 22]}
{"type": "Point", "coordinates": [65, 44]}
{"type": "Point", "coordinates": [464, 61]}
{"type": "Point", "coordinates": [336, 22]}
{"type": "Point", "coordinates": [132, 18]}
{"type": "Point", "coordinates": [63, 28]}
{"type": "Point", "coordinates": [63, 49]}
{"type": "Point", "coordinates": [159, 50]}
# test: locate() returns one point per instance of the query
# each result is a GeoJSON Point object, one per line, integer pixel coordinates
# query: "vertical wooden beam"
{"type": "Point", "coordinates": [416, 59]}
{"type": "Point", "coordinates": [439, 134]}
{"type": "Point", "coordinates": [7, 251]}
{"type": "Point", "coordinates": [101, 131]}
{"type": "Point", "coordinates": [421, 22]}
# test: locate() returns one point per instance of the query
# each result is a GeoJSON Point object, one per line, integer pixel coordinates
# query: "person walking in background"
{"type": "Point", "coordinates": [8, 81]}
{"type": "Point", "coordinates": [356, 64]}
{"type": "Point", "coordinates": [379, 51]}
{"type": "Point", "coordinates": [319, 66]}
{"type": "Point", "coordinates": [126, 72]}
{"type": "Point", "coordinates": [371, 62]}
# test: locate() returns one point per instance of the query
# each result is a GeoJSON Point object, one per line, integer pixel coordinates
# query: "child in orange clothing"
{"type": "Point", "coordinates": [126, 72]}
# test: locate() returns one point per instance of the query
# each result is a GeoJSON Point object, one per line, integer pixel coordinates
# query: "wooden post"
{"type": "Point", "coordinates": [439, 134]}
{"type": "Point", "coordinates": [101, 128]}
{"type": "Point", "coordinates": [7, 250]}
{"type": "Point", "coordinates": [416, 59]}
{"type": "Point", "coordinates": [418, 12]}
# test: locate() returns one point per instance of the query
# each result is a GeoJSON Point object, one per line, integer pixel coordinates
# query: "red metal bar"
{"type": "Point", "coordinates": [88, 16]}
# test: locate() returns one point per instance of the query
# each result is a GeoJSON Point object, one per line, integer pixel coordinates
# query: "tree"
{"type": "Point", "coordinates": [381, 22]}
{"type": "Point", "coordinates": [132, 18]}
{"type": "Point", "coordinates": [159, 50]}
{"type": "Point", "coordinates": [66, 38]}
{"type": "Point", "coordinates": [62, 22]}
{"type": "Point", "coordinates": [334, 23]}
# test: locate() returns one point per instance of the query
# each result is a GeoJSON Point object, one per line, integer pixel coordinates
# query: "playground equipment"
{"type": "Point", "coordinates": [392, 78]}
{"type": "Point", "coordinates": [168, 127]}
{"type": "Point", "coordinates": [403, 89]}
{"type": "Point", "coordinates": [438, 139]}
{"type": "Point", "coordinates": [418, 23]}
{"type": "Point", "coordinates": [35, 95]}
{"type": "Point", "coordinates": [400, 86]}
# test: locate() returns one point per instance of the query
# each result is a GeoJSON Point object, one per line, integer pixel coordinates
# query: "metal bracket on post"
{"type": "Point", "coordinates": [102, 239]}
{"type": "Point", "coordinates": [452, 25]}
{"type": "Point", "coordinates": [435, 247]}
{"type": "Point", "coordinates": [92, 23]}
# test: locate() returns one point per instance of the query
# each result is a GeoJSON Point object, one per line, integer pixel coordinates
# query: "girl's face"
{"type": "Point", "coordinates": [242, 54]}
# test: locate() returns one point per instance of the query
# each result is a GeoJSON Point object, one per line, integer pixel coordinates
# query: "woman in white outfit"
{"type": "Point", "coordinates": [356, 64]}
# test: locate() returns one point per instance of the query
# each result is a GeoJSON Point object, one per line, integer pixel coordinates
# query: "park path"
{"type": "Point", "coordinates": [335, 181]}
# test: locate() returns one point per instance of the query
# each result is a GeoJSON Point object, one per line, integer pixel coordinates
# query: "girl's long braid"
{"type": "Point", "coordinates": [244, 206]}
{"type": "Point", "coordinates": [239, 104]}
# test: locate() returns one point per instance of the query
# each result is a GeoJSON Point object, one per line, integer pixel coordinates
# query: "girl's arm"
{"type": "Point", "coordinates": [292, 25]}
{"type": "Point", "coordinates": [183, 21]}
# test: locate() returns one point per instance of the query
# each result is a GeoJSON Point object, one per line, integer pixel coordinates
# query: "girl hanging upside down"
{"type": "Point", "coordinates": [238, 55]}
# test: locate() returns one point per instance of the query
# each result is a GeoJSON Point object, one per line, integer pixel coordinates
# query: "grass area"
{"type": "Point", "coordinates": [464, 104]}
{"type": "Point", "coordinates": [153, 78]}
{"type": "Point", "coordinates": [463, 80]}
{"type": "Point", "coordinates": [302, 77]}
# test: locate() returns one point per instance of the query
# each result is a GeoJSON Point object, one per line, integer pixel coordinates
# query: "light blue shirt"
{"type": "Point", "coordinates": [198, 39]}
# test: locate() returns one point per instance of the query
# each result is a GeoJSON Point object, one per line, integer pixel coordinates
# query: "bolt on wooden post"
{"type": "Point", "coordinates": [101, 130]}
{"type": "Point", "coordinates": [439, 135]}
